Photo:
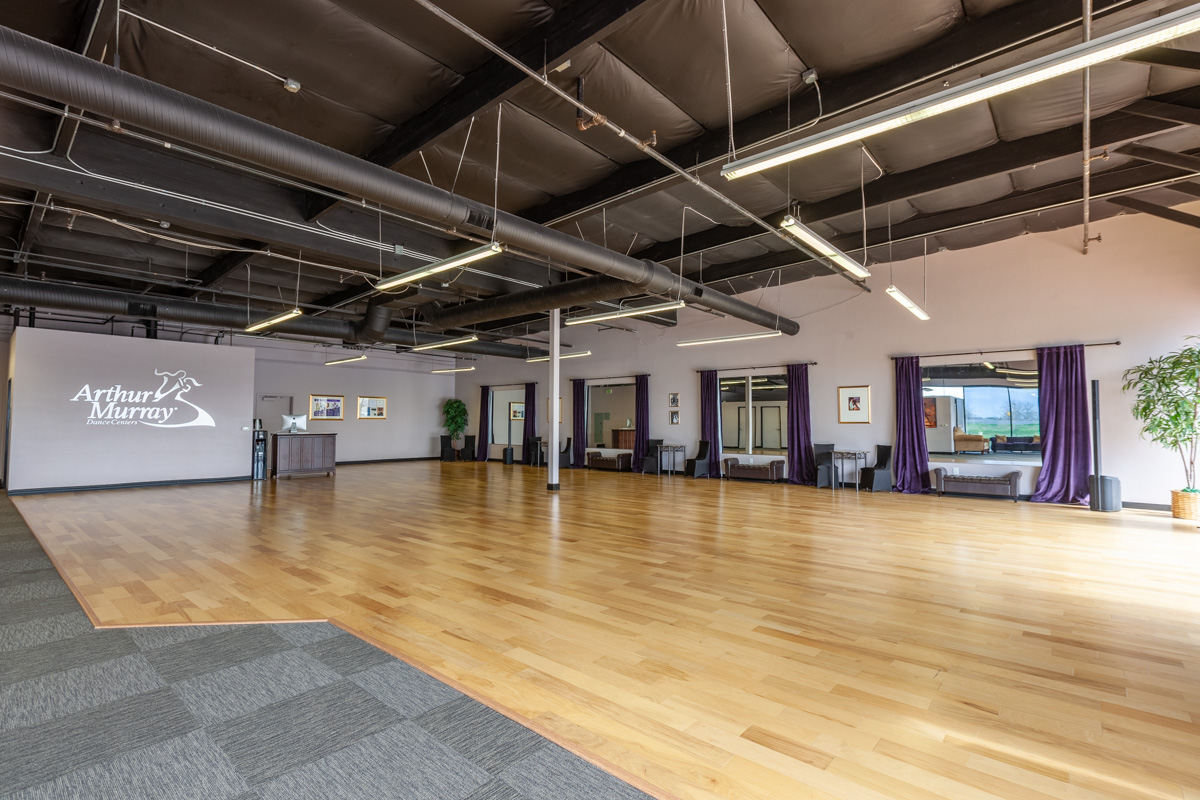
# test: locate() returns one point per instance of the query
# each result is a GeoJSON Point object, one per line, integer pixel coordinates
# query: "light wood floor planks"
{"type": "Point", "coordinates": [710, 639]}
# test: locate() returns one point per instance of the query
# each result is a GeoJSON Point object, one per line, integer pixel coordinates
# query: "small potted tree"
{"type": "Point", "coordinates": [1167, 403]}
{"type": "Point", "coordinates": [455, 412]}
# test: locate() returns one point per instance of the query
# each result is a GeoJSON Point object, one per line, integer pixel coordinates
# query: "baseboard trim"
{"type": "Point", "coordinates": [1148, 506]}
{"type": "Point", "coordinates": [387, 460]}
{"type": "Point", "coordinates": [106, 486]}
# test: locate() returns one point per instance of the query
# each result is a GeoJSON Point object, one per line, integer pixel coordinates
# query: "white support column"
{"type": "Point", "coordinates": [552, 413]}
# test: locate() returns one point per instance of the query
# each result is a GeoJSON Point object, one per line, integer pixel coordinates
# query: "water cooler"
{"type": "Point", "coordinates": [258, 463]}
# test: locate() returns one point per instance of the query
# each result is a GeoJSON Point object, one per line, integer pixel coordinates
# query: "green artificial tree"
{"type": "Point", "coordinates": [455, 412]}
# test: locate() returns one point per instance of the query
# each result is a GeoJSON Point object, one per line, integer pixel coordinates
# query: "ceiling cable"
{"type": "Point", "coordinates": [728, 79]}
{"type": "Point", "coordinates": [463, 154]}
{"type": "Point", "coordinates": [496, 184]}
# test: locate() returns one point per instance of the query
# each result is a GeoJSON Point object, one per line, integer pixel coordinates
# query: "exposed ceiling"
{"type": "Point", "coordinates": [103, 207]}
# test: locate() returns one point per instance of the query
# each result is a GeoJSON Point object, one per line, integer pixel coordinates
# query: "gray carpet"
{"type": "Point", "coordinates": [267, 712]}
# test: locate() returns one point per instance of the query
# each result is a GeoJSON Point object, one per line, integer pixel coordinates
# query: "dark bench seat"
{"type": "Point", "coordinates": [621, 462]}
{"type": "Point", "coordinates": [773, 471]}
{"type": "Point", "coordinates": [990, 485]}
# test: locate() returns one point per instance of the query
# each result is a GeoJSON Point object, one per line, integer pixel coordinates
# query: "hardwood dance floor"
{"type": "Point", "coordinates": [710, 639]}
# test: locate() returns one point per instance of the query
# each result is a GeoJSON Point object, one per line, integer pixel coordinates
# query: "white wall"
{"type": "Point", "coordinates": [1140, 285]}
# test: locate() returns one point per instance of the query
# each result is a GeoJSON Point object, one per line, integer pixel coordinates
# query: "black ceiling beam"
{"type": "Point", "coordinates": [94, 37]}
{"type": "Point", "coordinates": [1166, 57]}
{"type": "Point", "coordinates": [1005, 29]}
{"type": "Point", "coordinates": [1168, 158]}
{"type": "Point", "coordinates": [1186, 187]}
{"type": "Point", "coordinates": [226, 263]}
{"type": "Point", "coordinates": [1172, 112]}
{"type": "Point", "coordinates": [572, 28]}
{"type": "Point", "coordinates": [29, 228]}
{"type": "Point", "coordinates": [1154, 209]}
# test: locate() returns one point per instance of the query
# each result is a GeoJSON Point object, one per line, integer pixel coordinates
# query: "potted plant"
{"type": "Point", "coordinates": [1167, 403]}
{"type": "Point", "coordinates": [455, 412]}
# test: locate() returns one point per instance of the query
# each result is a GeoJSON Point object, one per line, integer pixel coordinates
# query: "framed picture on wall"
{"type": "Point", "coordinates": [372, 407]}
{"type": "Point", "coordinates": [930, 412]}
{"type": "Point", "coordinates": [516, 411]}
{"type": "Point", "coordinates": [673, 417]}
{"type": "Point", "coordinates": [326, 406]}
{"type": "Point", "coordinates": [854, 404]}
{"type": "Point", "coordinates": [673, 400]}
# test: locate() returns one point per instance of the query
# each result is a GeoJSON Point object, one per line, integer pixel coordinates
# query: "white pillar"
{"type": "Point", "coordinates": [552, 413]}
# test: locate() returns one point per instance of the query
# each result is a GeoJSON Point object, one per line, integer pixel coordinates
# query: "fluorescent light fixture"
{"type": "Point", "coordinates": [347, 359]}
{"type": "Point", "coordinates": [580, 354]}
{"type": "Point", "coordinates": [448, 371]}
{"type": "Point", "coordinates": [1024, 380]}
{"type": "Point", "coordinates": [901, 298]}
{"type": "Point", "coordinates": [625, 312]}
{"type": "Point", "coordinates": [446, 343]}
{"type": "Point", "coordinates": [468, 257]}
{"type": "Point", "coordinates": [1009, 371]}
{"type": "Point", "coordinates": [989, 365]}
{"type": "Point", "coordinates": [823, 248]}
{"type": "Point", "coordinates": [739, 338]}
{"type": "Point", "coordinates": [275, 320]}
{"type": "Point", "coordinates": [1072, 59]}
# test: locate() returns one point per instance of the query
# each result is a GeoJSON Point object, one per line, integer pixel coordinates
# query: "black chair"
{"type": "Point", "coordinates": [828, 473]}
{"type": "Point", "coordinates": [698, 466]}
{"type": "Point", "coordinates": [448, 451]}
{"type": "Point", "coordinates": [533, 446]}
{"type": "Point", "coordinates": [566, 456]}
{"type": "Point", "coordinates": [652, 463]}
{"type": "Point", "coordinates": [468, 450]}
{"type": "Point", "coordinates": [878, 478]}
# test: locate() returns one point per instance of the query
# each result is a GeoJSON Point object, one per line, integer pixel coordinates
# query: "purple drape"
{"type": "Point", "coordinates": [641, 421]}
{"type": "Point", "coordinates": [530, 429]}
{"type": "Point", "coordinates": [578, 421]}
{"type": "Point", "coordinates": [802, 466]}
{"type": "Point", "coordinates": [912, 452]}
{"type": "Point", "coordinates": [483, 446]}
{"type": "Point", "coordinates": [710, 415]}
{"type": "Point", "coordinates": [1062, 405]}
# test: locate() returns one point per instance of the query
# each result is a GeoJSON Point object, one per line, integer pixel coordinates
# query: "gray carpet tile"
{"type": "Point", "coordinates": [278, 738]}
{"type": "Point", "coordinates": [404, 688]}
{"type": "Point", "coordinates": [70, 691]}
{"type": "Point", "coordinates": [31, 576]}
{"type": "Point", "coordinates": [347, 654]}
{"type": "Point", "coordinates": [19, 593]}
{"type": "Point", "coordinates": [554, 774]}
{"type": "Point", "coordinates": [188, 659]}
{"type": "Point", "coordinates": [42, 630]}
{"type": "Point", "coordinates": [401, 762]}
{"type": "Point", "coordinates": [239, 690]}
{"type": "Point", "coordinates": [25, 563]}
{"type": "Point", "coordinates": [184, 768]}
{"type": "Point", "coordinates": [302, 633]}
{"type": "Point", "coordinates": [486, 737]}
{"type": "Point", "coordinates": [155, 636]}
{"type": "Point", "coordinates": [38, 608]}
{"type": "Point", "coordinates": [43, 752]}
{"type": "Point", "coordinates": [497, 789]}
{"type": "Point", "coordinates": [78, 651]}
{"type": "Point", "coordinates": [11, 546]}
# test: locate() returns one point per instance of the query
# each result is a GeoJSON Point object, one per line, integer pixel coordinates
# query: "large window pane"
{"type": "Point", "coordinates": [768, 398]}
{"type": "Point", "coordinates": [1025, 415]}
{"type": "Point", "coordinates": [735, 422]}
{"type": "Point", "coordinates": [987, 410]}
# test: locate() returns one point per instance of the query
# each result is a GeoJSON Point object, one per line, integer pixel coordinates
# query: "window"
{"type": "Point", "coordinates": [506, 430]}
{"type": "Point", "coordinates": [754, 414]}
{"type": "Point", "coordinates": [1001, 411]}
{"type": "Point", "coordinates": [610, 407]}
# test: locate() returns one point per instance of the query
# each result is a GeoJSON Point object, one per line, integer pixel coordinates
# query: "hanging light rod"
{"type": "Point", "coordinates": [580, 354]}
{"type": "Point", "coordinates": [347, 359]}
{"type": "Point", "coordinates": [1008, 371]}
{"type": "Point", "coordinates": [445, 343]}
{"type": "Point", "coordinates": [1072, 59]}
{"type": "Point", "coordinates": [989, 365]}
{"type": "Point", "coordinates": [739, 338]}
{"type": "Point", "coordinates": [823, 248]}
{"type": "Point", "coordinates": [486, 251]}
{"type": "Point", "coordinates": [448, 371]}
{"type": "Point", "coordinates": [275, 320]}
{"type": "Point", "coordinates": [625, 312]}
{"type": "Point", "coordinates": [903, 299]}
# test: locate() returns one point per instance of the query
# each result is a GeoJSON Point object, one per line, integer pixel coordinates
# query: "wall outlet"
{"type": "Point", "coordinates": [954, 470]}
{"type": "Point", "coordinates": [245, 427]}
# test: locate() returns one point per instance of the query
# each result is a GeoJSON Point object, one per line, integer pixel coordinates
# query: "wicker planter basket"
{"type": "Point", "coordinates": [1185, 505]}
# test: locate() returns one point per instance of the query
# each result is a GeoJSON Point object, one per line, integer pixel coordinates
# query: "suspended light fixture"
{"type": "Point", "coordinates": [446, 343]}
{"type": "Point", "coordinates": [823, 248]}
{"type": "Point", "coordinates": [580, 354]}
{"type": "Point", "coordinates": [989, 365]}
{"type": "Point", "coordinates": [448, 371]}
{"type": "Point", "coordinates": [738, 338]}
{"type": "Point", "coordinates": [903, 299]}
{"type": "Point", "coordinates": [1010, 371]}
{"type": "Point", "coordinates": [1072, 59]}
{"type": "Point", "coordinates": [275, 320]}
{"type": "Point", "coordinates": [625, 312]}
{"type": "Point", "coordinates": [347, 359]}
{"type": "Point", "coordinates": [487, 251]}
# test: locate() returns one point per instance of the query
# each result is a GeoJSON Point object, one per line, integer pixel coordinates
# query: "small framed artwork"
{"type": "Point", "coordinates": [673, 417]}
{"type": "Point", "coordinates": [854, 404]}
{"type": "Point", "coordinates": [673, 400]}
{"type": "Point", "coordinates": [516, 411]}
{"type": "Point", "coordinates": [326, 406]}
{"type": "Point", "coordinates": [930, 412]}
{"type": "Point", "coordinates": [372, 407]}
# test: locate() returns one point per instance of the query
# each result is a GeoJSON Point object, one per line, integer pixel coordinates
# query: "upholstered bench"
{"type": "Point", "coordinates": [621, 462]}
{"type": "Point", "coordinates": [991, 485]}
{"type": "Point", "coordinates": [772, 471]}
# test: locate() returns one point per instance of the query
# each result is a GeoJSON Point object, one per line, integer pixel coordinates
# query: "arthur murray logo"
{"type": "Point", "coordinates": [117, 405]}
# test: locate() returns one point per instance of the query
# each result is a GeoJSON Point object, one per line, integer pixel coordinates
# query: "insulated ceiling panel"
{"type": "Point", "coordinates": [936, 139]}
{"type": "Point", "coordinates": [981, 8]}
{"type": "Point", "coordinates": [55, 21]}
{"type": "Point", "coordinates": [823, 175]}
{"type": "Point", "coordinates": [1068, 217]}
{"type": "Point", "coordinates": [986, 233]}
{"type": "Point", "coordinates": [658, 216]}
{"type": "Point", "coordinates": [26, 128]}
{"type": "Point", "coordinates": [602, 230]}
{"type": "Point", "coordinates": [1062, 169]}
{"type": "Point", "coordinates": [963, 195]}
{"type": "Point", "coordinates": [754, 192]}
{"type": "Point", "coordinates": [685, 57]}
{"type": "Point", "coordinates": [738, 251]}
{"type": "Point", "coordinates": [1058, 102]}
{"type": "Point", "coordinates": [838, 38]}
{"type": "Point", "coordinates": [877, 217]}
{"type": "Point", "coordinates": [470, 179]}
{"type": "Point", "coordinates": [615, 90]}
{"type": "Point", "coordinates": [1180, 139]}
{"type": "Point", "coordinates": [1169, 79]}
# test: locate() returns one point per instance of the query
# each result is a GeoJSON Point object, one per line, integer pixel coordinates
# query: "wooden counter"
{"type": "Point", "coordinates": [301, 453]}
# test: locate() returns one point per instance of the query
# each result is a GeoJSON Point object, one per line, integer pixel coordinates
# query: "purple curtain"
{"type": "Point", "coordinates": [578, 421]}
{"type": "Point", "coordinates": [912, 452]}
{"type": "Point", "coordinates": [483, 446]}
{"type": "Point", "coordinates": [1062, 405]}
{"type": "Point", "coordinates": [710, 416]}
{"type": "Point", "coordinates": [641, 419]}
{"type": "Point", "coordinates": [802, 466]}
{"type": "Point", "coordinates": [530, 429]}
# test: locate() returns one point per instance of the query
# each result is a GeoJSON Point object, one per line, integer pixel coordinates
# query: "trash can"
{"type": "Point", "coordinates": [508, 455]}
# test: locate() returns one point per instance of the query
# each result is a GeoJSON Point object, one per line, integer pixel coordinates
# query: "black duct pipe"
{"type": "Point", "coordinates": [596, 289]}
{"type": "Point", "coordinates": [18, 292]}
{"type": "Point", "coordinates": [373, 327]}
{"type": "Point", "coordinates": [34, 66]}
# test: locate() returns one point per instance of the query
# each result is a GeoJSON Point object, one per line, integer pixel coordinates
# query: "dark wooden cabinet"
{"type": "Point", "coordinates": [299, 453]}
{"type": "Point", "coordinates": [623, 438]}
